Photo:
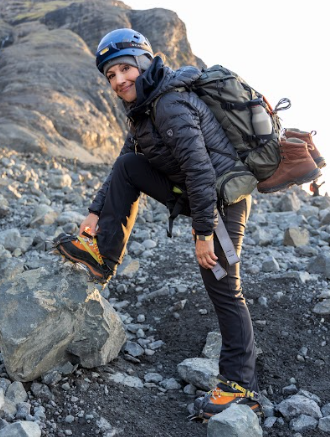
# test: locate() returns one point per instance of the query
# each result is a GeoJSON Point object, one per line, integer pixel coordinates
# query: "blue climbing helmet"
{"type": "Point", "coordinates": [122, 42]}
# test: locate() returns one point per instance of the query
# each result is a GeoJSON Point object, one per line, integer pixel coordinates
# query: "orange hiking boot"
{"type": "Point", "coordinates": [296, 167]}
{"type": "Point", "coordinates": [84, 250]}
{"type": "Point", "coordinates": [225, 394]}
{"type": "Point", "coordinates": [308, 138]}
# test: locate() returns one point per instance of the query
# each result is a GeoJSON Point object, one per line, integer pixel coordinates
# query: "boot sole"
{"type": "Point", "coordinates": [309, 177]}
{"type": "Point", "coordinates": [205, 417]}
{"type": "Point", "coordinates": [320, 162]}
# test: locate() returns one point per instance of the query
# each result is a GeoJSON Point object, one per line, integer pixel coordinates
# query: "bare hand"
{"type": "Point", "coordinates": [90, 222]}
{"type": "Point", "coordinates": [205, 254]}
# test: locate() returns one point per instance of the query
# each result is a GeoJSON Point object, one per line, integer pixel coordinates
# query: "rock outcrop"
{"type": "Point", "coordinates": [53, 99]}
{"type": "Point", "coordinates": [51, 316]}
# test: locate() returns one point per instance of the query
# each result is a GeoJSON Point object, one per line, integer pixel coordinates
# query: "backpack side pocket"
{"type": "Point", "coordinates": [236, 184]}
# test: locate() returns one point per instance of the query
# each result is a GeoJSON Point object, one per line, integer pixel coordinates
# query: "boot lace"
{"type": "Point", "coordinates": [243, 392]}
{"type": "Point", "coordinates": [216, 393]}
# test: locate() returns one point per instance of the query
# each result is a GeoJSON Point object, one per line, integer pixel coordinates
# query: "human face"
{"type": "Point", "coordinates": [122, 79]}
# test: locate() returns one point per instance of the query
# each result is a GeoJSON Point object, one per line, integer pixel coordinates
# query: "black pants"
{"type": "Point", "coordinates": [131, 175]}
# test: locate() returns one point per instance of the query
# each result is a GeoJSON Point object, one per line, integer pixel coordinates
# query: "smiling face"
{"type": "Point", "coordinates": [122, 79]}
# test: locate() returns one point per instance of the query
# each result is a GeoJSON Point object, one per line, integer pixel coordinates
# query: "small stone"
{"type": "Point", "coordinates": [153, 377]}
{"type": "Point", "coordinates": [171, 384]}
{"type": "Point", "coordinates": [290, 390]}
{"type": "Point", "coordinates": [278, 296]}
{"type": "Point", "coordinates": [326, 410]}
{"type": "Point", "coordinates": [254, 270]}
{"type": "Point", "coordinates": [189, 389]}
{"type": "Point", "coordinates": [51, 378]}
{"type": "Point", "coordinates": [133, 349]}
{"type": "Point", "coordinates": [303, 423]}
{"type": "Point", "coordinates": [303, 351]}
{"type": "Point", "coordinates": [103, 425]}
{"type": "Point", "coordinates": [156, 344]}
{"type": "Point", "coordinates": [270, 422]}
{"type": "Point", "coordinates": [324, 424]}
{"type": "Point", "coordinates": [263, 301]}
{"type": "Point", "coordinates": [140, 333]}
{"type": "Point", "coordinates": [181, 288]}
{"type": "Point", "coordinates": [23, 410]}
{"type": "Point", "coordinates": [16, 392]}
{"type": "Point", "coordinates": [131, 359]}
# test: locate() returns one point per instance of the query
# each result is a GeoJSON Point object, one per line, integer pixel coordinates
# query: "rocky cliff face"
{"type": "Point", "coordinates": [52, 98]}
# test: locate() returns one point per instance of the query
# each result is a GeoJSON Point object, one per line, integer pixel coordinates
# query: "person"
{"type": "Point", "coordinates": [314, 188]}
{"type": "Point", "coordinates": [176, 154]}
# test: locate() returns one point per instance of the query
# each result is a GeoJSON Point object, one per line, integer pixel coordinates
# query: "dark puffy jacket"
{"type": "Point", "coordinates": [185, 142]}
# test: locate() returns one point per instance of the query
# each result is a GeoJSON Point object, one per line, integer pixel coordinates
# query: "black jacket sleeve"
{"type": "Point", "coordinates": [178, 123]}
{"type": "Point", "coordinates": [98, 202]}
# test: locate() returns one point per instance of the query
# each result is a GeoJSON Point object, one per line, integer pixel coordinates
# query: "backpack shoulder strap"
{"type": "Point", "coordinates": [154, 103]}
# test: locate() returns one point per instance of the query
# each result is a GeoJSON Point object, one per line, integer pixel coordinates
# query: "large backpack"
{"type": "Point", "coordinates": [230, 99]}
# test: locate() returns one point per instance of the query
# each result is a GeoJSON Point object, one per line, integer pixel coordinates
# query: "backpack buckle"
{"type": "Point", "coordinates": [227, 106]}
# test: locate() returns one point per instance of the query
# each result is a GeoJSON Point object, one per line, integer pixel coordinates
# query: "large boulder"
{"type": "Point", "coordinates": [297, 405]}
{"type": "Point", "coordinates": [49, 317]}
{"type": "Point", "coordinates": [200, 372]}
{"type": "Point", "coordinates": [21, 429]}
{"type": "Point", "coordinates": [235, 421]}
{"type": "Point", "coordinates": [58, 104]}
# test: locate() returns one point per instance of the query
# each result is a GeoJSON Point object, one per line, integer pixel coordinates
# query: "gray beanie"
{"type": "Point", "coordinates": [142, 62]}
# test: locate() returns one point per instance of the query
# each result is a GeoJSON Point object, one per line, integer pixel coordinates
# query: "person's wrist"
{"type": "Point", "coordinates": [94, 213]}
{"type": "Point", "coordinates": [204, 237]}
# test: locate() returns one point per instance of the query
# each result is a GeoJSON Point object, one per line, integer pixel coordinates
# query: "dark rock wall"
{"type": "Point", "coordinates": [52, 98]}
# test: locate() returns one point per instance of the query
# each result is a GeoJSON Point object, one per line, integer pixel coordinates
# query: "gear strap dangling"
{"type": "Point", "coordinates": [226, 242]}
{"type": "Point", "coordinates": [227, 247]}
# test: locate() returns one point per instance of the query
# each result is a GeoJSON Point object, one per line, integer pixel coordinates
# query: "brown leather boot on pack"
{"type": "Point", "coordinates": [296, 167]}
{"type": "Point", "coordinates": [308, 138]}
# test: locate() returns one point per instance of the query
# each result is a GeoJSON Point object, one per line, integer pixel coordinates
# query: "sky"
{"type": "Point", "coordinates": [281, 48]}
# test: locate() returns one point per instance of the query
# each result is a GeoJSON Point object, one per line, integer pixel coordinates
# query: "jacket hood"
{"type": "Point", "coordinates": [156, 80]}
